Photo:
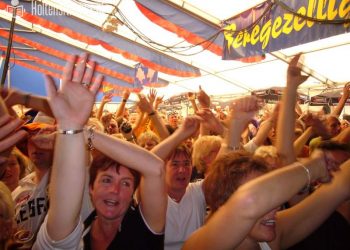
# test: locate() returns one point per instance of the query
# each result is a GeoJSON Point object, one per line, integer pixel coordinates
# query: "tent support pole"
{"type": "Point", "coordinates": [9, 45]}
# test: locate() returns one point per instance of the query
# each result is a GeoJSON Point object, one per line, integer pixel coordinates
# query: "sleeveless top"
{"type": "Point", "coordinates": [134, 233]}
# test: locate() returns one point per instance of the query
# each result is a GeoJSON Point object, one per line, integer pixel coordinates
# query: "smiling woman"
{"type": "Point", "coordinates": [116, 223]}
{"type": "Point", "coordinates": [244, 202]}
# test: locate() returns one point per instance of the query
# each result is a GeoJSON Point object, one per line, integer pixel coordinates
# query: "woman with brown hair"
{"type": "Point", "coordinates": [244, 201]}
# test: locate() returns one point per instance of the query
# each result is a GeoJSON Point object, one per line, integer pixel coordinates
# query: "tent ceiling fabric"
{"type": "Point", "coordinates": [163, 37]}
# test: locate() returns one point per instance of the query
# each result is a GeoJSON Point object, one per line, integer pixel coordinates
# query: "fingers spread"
{"type": "Point", "coordinates": [80, 68]}
{"type": "Point", "coordinates": [50, 86]}
{"type": "Point", "coordinates": [96, 84]}
{"type": "Point", "coordinates": [68, 69]}
{"type": "Point", "coordinates": [89, 72]}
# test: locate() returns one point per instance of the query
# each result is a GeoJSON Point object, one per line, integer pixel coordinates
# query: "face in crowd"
{"type": "Point", "coordinates": [111, 187]}
{"type": "Point", "coordinates": [173, 120]}
{"type": "Point", "coordinates": [40, 146]}
{"type": "Point", "coordinates": [179, 169]}
{"type": "Point", "coordinates": [344, 124]}
{"type": "Point", "coordinates": [229, 172]}
{"type": "Point", "coordinates": [11, 176]}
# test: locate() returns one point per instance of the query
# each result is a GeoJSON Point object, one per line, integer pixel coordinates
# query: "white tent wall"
{"type": "Point", "coordinates": [326, 59]}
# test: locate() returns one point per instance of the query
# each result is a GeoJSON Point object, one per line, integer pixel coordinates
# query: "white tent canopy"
{"type": "Point", "coordinates": [326, 59]}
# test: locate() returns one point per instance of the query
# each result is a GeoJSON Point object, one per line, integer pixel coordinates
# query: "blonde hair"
{"type": "Point", "coordinates": [7, 205]}
{"type": "Point", "coordinates": [266, 151]}
{"type": "Point", "coordinates": [148, 135]}
{"type": "Point", "coordinates": [202, 147]}
{"type": "Point", "coordinates": [98, 125]}
{"type": "Point", "coordinates": [23, 162]}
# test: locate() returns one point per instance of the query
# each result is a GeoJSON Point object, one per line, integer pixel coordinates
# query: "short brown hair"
{"type": "Point", "coordinates": [102, 162]}
{"type": "Point", "coordinates": [226, 175]}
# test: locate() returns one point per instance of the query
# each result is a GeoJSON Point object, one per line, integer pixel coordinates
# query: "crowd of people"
{"type": "Point", "coordinates": [75, 177]}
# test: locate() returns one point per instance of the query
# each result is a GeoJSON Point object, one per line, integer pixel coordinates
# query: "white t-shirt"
{"type": "Point", "coordinates": [72, 242]}
{"type": "Point", "coordinates": [250, 146]}
{"type": "Point", "coordinates": [31, 203]}
{"type": "Point", "coordinates": [183, 218]}
{"type": "Point", "coordinates": [264, 246]}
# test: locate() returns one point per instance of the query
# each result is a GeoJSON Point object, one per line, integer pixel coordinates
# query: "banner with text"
{"type": "Point", "coordinates": [276, 25]}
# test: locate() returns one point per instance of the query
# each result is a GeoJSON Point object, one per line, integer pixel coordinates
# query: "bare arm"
{"type": "Point", "coordinates": [243, 111]}
{"type": "Point", "coordinates": [286, 118]}
{"type": "Point", "coordinates": [152, 187]}
{"type": "Point", "coordinates": [105, 99]}
{"type": "Point", "coordinates": [302, 219]}
{"type": "Point", "coordinates": [192, 98]}
{"type": "Point", "coordinates": [251, 201]}
{"type": "Point", "coordinates": [14, 97]}
{"type": "Point", "coordinates": [157, 121]}
{"type": "Point", "coordinates": [120, 111]}
{"type": "Point", "coordinates": [138, 125]}
{"type": "Point", "coordinates": [343, 137]}
{"type": "Point", "coordinates": [210, 124]}
{"type": "Point", "coordinates": [188, 128]}
{"type": "Point", "coordinates": [265, 128]}
{"type": "Point", "coordinates": [71, 105]}
{"type": "Point", "coordinates": [9, 136]}
{"type": "Point", "coordinates": [302, 140]}
{"type": "Point", "coordinates": [346, 93]}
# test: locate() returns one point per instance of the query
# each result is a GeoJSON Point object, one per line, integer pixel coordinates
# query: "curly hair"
{"type": "Point", "coordinates": [226, 176]}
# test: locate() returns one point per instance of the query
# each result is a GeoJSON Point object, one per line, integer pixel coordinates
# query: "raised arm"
{"type": "Point", "coordinates": [105, 99]}
{"type": "Point", "coordinates": [14, 97]}
{"type": "Point", "coordinates": [302, 219]}
{"type": "Point", "coordinates": [253, 200]}
{"type": "Point", "coordinates": [188, 128]}
{"type": "Point", "coordinates": [346, 93]}
{"type": "Point", "coordinates": [9, 136]}
{"type": "Point", "coordinates": [192, 98]}
{"type": "Point", "coordinates": [146, 107]}
{"type": "Point", "coordinates": [120, 111]}
{"type": "Point", "coordinates": [152, 186]}
{"type": "Point", "coordinates": [210, 124]}
{"type": "Point", "coordinates": [71, 105]}
{"type": "Point", "coordinates": [265, 127]}
{"type": "Point", "coordinates": [243, 111]}
{"type": "Point", "coordinates": [286, 118]}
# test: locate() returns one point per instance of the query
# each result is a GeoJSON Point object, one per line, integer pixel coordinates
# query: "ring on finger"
{"type": "Point", "coordinates": [85, 84]}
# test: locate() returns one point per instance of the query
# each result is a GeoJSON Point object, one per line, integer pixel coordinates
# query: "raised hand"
{"type": "Point", "coordinates": [191, 96]}
{"type": "Point", "coordinates": [11, 96]}
{"type": "Point", "coordinates": [294, 76]}
{"type": "Point", "coordinates": [346, 90]}
{"type": "Point", "coordinates": [244, 108]}
{"type": "Point", "coordinates": [152, 96]}
{"type": "Point", "coordinates": [126, 94]}
{"type": "Point", "coordinates": [144, 104]}
{"type": "Point", "coordinates": [72, 103]}
{"type": "Point", "coordinates": [209, 121]}
{"type": "Point", "coordinates": [203, 98]}
{"type": "Point", "coordinates": [9, 135]}
{"type": "Point", "coordinates": [159, 100]}
{"type": "Point", "coordinates": [189, 126]}
{"type": "Point", "coordinates": [331, 161]}
{"type": "Point", "coordinates": [107, 97]}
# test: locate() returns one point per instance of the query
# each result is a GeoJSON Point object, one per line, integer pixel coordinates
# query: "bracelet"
{"type": "Point", "coordinates": [91, 136]}
{"type": "Point", "coordinates": [152, 113]}
{"type": "Point", "coordinates": [26, 99]}
{"type": "Point", "coordinates": [307, 187]}
{"type": "Point", "coordinates": [69, 131]}
{"type": "Point", "coordinates": [124, 100]}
